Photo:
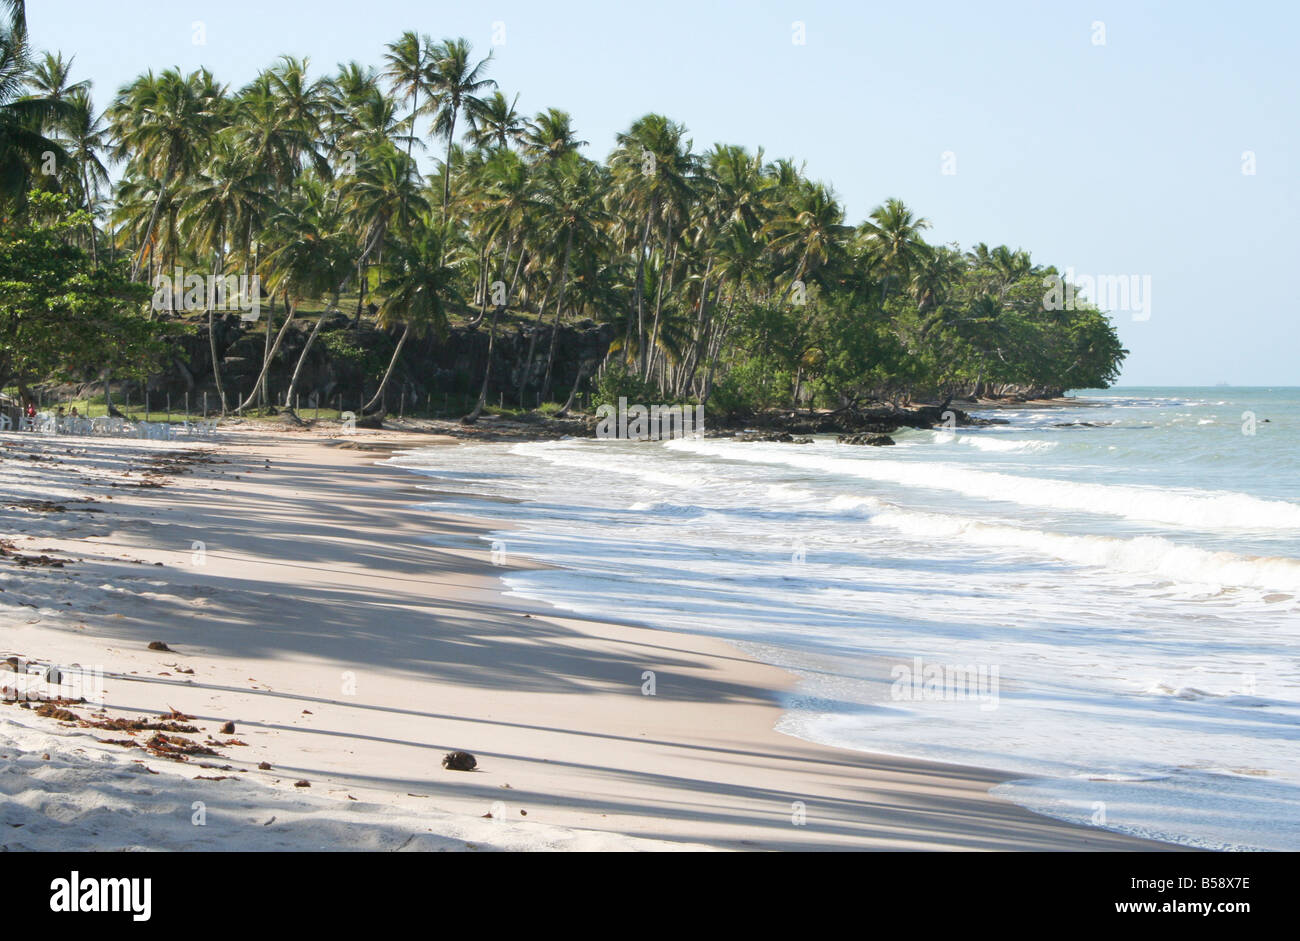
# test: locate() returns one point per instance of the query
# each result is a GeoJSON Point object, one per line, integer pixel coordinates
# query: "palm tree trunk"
{"type": "Point", "coordinates": [94, 247]}
{"type": "Point", "coordinates": [573, 393]}
{"type": "Point", "coordinates": [260, 383]}
{"type": "Point", "coordinates": [212, 344]}
{"type": "Point", "coordinates": [487, 372]}
{"type": "Point", "coordinates": [153, 220]}
{"type": "Point", "coordinates": [639, 290]}
{"type": "Point", "coordinates": [446, 166]}
{"type": "Point", "coordinates": [559, 307]}
{"type": "Point", "coordinates": [397, 351]}
{"type": "Point", "coordinates": [302, 357]}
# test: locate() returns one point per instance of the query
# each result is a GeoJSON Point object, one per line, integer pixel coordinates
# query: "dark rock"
{"type": "Point", "coordinates": [459, 761]}
{"type": "Point", "coordinates": [873, 440]}
{"type": "Point", "coordinates": [228, 729]}
{"type": "Point", "coordinates": [159, 645]}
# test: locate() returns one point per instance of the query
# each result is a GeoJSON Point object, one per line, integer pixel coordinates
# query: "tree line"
{"type": "Point", "coordinates": [729, 277]}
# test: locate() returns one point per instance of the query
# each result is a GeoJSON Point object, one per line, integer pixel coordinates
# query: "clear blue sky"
{"type": "Point", "coordinates": [1122, 158]}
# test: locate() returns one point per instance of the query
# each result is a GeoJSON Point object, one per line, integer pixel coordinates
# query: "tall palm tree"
{"type": "Point", "coordinates": [313, 259]}
{"type": "Point", "coordinates": [303, 106]}
{"type": "Point", "coordinates": [85, 137]}
{"type": "Point", "coordinates": [165, 124]}
{"type": "Point", "coordinates": [653, 170]}
{"type": "Point", "coordinates": [410, 61]}
{"type": "Point", "coordinates": [458, 85]}
{"type": "Point", "coordinates": [227, 199]}
{"type": "Point", "coordinates": [574, 192]}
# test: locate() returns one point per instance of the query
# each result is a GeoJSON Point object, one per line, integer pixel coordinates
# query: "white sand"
{"type": "Point", "coordinates": [320, 615]}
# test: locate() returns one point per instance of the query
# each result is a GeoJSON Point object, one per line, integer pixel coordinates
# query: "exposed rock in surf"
{"type": "Point", "coordinates": [874, 441]}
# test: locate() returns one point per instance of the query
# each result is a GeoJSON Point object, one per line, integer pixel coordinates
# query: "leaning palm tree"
{"type": "Point", "coordinates": [457, 84]}
{"type": "Point", "coordinates": [313, 259]}
{"type": "Point", "coordinates": [418, 279]}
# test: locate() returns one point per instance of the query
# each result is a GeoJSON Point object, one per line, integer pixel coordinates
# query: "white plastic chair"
{"type": "Point", "coordinates": [5, 423]}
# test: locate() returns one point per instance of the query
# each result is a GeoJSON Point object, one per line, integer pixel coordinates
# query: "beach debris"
{"type": "Point", "coordinates": [51, 711]}
{"type": "Point", "coordinates": [264, 766]}
{"type": "Point", "coordinates": [302, 784]}
{"type": "Point", "coordinates": [228, 729]}
{"type": "Point", "coordinates": [459, 761]}
{"type": "Point", "coordinates": [165, 746]}
{"type": "Point", "coordinates": [159, 645]}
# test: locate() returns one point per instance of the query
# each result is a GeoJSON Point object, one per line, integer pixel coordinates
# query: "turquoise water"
{"type": "Point", "coordinates": [1098, 598]}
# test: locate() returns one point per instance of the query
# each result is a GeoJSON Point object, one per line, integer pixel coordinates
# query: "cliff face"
{"type": "Point", "coordinates": [350, 362]}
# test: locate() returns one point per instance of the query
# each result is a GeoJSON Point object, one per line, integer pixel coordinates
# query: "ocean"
{"type": "Point", "coordinates": [1101, 599]}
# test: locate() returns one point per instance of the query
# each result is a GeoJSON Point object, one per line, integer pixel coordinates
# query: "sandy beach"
{"type": "Point", "coordinates": [353, 638]}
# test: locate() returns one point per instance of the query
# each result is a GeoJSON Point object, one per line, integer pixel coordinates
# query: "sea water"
{"type": "Point", "coordinates": [1120, 573]}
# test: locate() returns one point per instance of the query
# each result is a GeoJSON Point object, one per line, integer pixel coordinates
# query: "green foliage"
{"type": "Point", "coordinates": [343, 349]}
{"type": "Point", "coordinates": [619, 382]}
{"type": "Point", "coordinates": [60, 315]}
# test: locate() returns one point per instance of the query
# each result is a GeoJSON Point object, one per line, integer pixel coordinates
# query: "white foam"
{"type": "Point", "coordinates": [1193, 509]}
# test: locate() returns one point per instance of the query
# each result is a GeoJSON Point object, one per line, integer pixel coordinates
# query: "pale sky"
{"type": "Point", "coordinates": [1107, 137]}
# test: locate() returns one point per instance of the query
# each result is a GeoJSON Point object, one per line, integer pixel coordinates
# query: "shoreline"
{"type": "Point", "coordinates": [318, 563]}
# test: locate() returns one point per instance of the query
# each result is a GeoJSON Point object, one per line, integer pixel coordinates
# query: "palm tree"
{"type": "Point", "coordinates": [550, 135]}
{"type": "Point", "coordinates": [457, 85]}
{"type": "Point", "coordinates": [494, 122]}
{"type": "Point", "coordinates": [23, 117]}
{"type": "Point", "coordinates": [383, 198]}
{"type": "Point", "coordinates": [807, 233]}
{"type": "Point", "coordinates": [85, 136]}
{"type": "Point", "coordinates": [227, 199]}
{"type": "Point", "coordinates": [574, 191]}
{"type": "Point", "coordinates": [653, 169]}
{"type": "Point", "coordinates": [52, 78]}
{"type": "Point", "coordinates": [893, 234]}
{"type": "Point", "coordinates": [313, 259]}
{"type": "Point", "coordinates": [410, 61]}
{"type": "Point", "coordinates": [302, 106]}
{"type": "Point", "coordinates": [165, 126]}
{"type": "Point", "coordinates": [416, 284]}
